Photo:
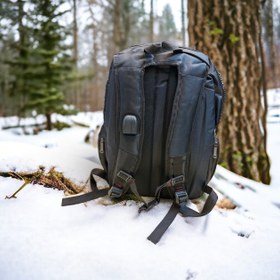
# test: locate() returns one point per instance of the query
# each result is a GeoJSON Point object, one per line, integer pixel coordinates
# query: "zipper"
{"type": "Point", "coordinates": [224, 94]}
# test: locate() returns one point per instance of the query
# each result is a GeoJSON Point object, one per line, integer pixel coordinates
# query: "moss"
{"type": "Point", "coordinates": [233, 38]}
{"type": "Point", "coordinates": [238, 157]}
{"type": "Point", "coordinates": [216, 31]}
{"type": "Point", "coordinates": [224, 164]}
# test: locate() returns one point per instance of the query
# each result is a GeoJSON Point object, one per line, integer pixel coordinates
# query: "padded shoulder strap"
{"type": "Point", "coordinates": [129, 87]}
{"type": "Point", "coordinates": [184, 106]}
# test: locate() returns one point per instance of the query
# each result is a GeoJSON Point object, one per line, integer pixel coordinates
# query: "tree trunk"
{"type": "Point", "coordinates": [183, 16]}
{"type": "Point", "coordinates": [22, 55]}
{"type": "Point", "coordinates": [151, 23]}
{"type": "Point", "coordinates": [75, 34]}
{"type": "Point", "coordinates": [117, 26]}
{"type": "Point", "coordinates": [48, 121]}
{"type": "Point", "coordinates": [229, 32]}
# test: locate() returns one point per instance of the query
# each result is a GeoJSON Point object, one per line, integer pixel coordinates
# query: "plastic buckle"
{"type": "Point", "coordinates": [181, 196]}
{"type": "Point", "coordinates": [124, 176]}
{"type": "Point", "coordinates": [177, 180]}
{"type": "Point", "coordinates": [148, 206]}
{"type": "Point", "coordinates": [115, 192]}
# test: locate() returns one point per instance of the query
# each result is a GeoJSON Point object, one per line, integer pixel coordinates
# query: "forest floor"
{"type": "Point", "coordinates": [42, 240]}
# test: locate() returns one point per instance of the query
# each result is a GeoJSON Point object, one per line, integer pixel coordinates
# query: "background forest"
{"type": "Point", "coordinates": [69, 44]}
{"type": "Point", "coordinates": [55, 57]}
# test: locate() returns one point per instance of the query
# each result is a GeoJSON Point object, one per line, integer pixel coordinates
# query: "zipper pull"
{"type": "Point", "coordinates": [101, 145]}
{"type": "Point", "coordinates": [216, 146]}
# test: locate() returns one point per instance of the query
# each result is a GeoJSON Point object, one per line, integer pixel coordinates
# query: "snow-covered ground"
{"type": "Point", "coordinates": [39, 239]}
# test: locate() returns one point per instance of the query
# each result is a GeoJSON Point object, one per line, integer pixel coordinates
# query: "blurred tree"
{"type": "Point", "coordinates": [75, 34]}
{"type": "Point", "coordinates": [151, 22]}
{"type": "Point", "coordinates": [269, 42]}
{"type": "Point", "coordinates": [128, 19]}
{"type": "Point", "coordinates": [17, 39]}
{"type": "Point", "coordinates": [183, 20]}
{"type": "Point", "coordinates": [230, 33]}
{"type": "Point", "coordinates": [276, 15]}
{"type": "Point", "coordinates": [167, 27]}
{"type": "Point", "coordinates": [6, 54]}
{"type": "Point", "coordinates": [276, 26]}
{"type": "Point", "coordinates": [111, 26]}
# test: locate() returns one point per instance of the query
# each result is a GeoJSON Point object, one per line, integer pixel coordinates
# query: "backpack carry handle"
{"type": "Point", "coordinates": [159, 48]}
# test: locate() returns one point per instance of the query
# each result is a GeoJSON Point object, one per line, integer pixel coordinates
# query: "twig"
{"type": "Point", "coordinates": [16, 192]}
{"type": "Point", "coordinates": [26, 182]}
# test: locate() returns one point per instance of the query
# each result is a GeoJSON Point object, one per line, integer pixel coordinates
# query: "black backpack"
{"type": "Point", "coordinates": [162, 107]}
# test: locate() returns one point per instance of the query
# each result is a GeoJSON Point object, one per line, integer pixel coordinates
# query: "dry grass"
{"type": "Point", "coordinates": [49, 179]}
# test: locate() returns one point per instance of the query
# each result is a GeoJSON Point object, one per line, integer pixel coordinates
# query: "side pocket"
{"type": "Point", "coordinates": [101, 148]}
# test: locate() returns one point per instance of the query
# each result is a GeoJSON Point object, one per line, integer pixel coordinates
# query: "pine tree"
{"type": "Point", "coordinates": [16, 63]}
{"type": "Point", "coordinates": [49, 59]}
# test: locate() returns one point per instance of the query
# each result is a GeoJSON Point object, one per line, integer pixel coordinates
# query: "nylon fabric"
{"type": "Point", "coordinates": [159, 231]}
{"type": "Point", "coordinates": [95, 192]}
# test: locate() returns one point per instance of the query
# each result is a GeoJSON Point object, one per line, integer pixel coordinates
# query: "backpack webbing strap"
{"type": "Point", "coordinates": [93, 194]}
{"type": "Point", "coordinates": [208, 206]}
{"type": "Point", "coordinates": [173, 182]}
{"type": "Point", "coordinates": [158, 232]}
{"type": "Point", "coordinates": [182, 208]}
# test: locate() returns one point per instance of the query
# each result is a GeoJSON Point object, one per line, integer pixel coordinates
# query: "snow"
{"type": "Point", "coordinates": [273, 101]}
{"type": "Point", "coordinates": [42, 240]}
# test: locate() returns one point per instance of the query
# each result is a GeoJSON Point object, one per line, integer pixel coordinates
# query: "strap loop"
{"type": "Point", "coordinates": [121, 185]}
{"type": "Point", "coordinates": [115, 192]}
{"type": "Point", "coordinates": [148, 206]}
{"type": "Point", "coordinates": [181, 197]}
{"type": "Point", "coordinates": [124, 176]}
{"type": "Point", "coordinates": [177, 180]}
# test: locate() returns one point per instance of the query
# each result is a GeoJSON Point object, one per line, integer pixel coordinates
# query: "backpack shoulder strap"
{"type": "Point", "coordinates": [129, 70]}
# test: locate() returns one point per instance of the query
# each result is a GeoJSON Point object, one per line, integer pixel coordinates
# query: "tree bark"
{"type": "Point", "coordinates": [229, 32]}
{"type": "Point", "coordinates": [48, 121]}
